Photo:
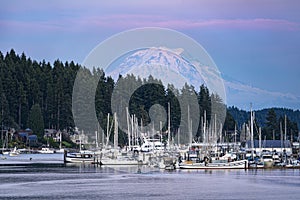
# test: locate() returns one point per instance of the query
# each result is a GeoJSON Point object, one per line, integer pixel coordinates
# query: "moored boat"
{"type": "Point", "coordinates": [79, 157]}
{"type": "Point", "coordinates": [46, 150]}
{"type": "Point", "coordinates": [240, 164]}
{"type": "Point", "coordinates": [120, 161]}
{"type": "Point", "coordinates": [14, 152]}
{"type": "Point", "coordinates": [267, 160]}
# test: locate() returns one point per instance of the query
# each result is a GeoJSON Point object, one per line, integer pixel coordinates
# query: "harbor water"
{"type": "Point", "coordinates": [94, 182]}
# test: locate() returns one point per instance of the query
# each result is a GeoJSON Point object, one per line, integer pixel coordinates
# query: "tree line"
{"type": "Point", "coordinates": [38, 95]}
{"type": "Point", "coordinates": [274, 122]}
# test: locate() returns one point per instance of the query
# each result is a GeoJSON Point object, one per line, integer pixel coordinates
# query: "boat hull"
{"type": "Point", "coordinates": [79, 158]}
{"type": "Point", "coordinates": [120, 162]}
{"type": "Point", "coordinates": [242, 164]}
{"type": "Point", "coordinates": [268, 163]}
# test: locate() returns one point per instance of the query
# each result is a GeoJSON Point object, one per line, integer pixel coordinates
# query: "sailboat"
{"type": "Point", "coordinates": [80, 157]}
{"type": "Point", "coordinates": [115, 157]}
{"type": "Point", "coordinates": [14, 152]}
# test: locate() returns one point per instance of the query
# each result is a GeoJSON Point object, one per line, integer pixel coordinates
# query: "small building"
{"type": "Point", "coordinates": [32, 140]}
{"type": "Point", "coordinates": [27, 137]}
{"type": "Point", "coordinates": [23, 134]}
{"type": "Point", "coordinates": [271, 145]}
{"type": "Point", "coordinates": [79, 138]}
{"type": "Point", "coordinates": [50, 133]}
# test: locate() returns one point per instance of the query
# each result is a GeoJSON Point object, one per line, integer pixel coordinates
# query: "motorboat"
{"type": "Point", "coordinates": [267, 160]}
{"type": "Point", "coordinates": [80, 157]}
{"type": "Point", "coordinates": [240, 164]}
{"type": "Point", "coordinates": [152, 145]}
{"type": "Point", "coordinates": [46, 150]}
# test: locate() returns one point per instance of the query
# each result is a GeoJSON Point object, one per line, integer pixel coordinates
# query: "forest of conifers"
{"type": "Point", "coordinates": [38, 95]}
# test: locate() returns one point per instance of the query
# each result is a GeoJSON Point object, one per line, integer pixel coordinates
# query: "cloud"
{"type": "Point", "coordinates": [127, 21]}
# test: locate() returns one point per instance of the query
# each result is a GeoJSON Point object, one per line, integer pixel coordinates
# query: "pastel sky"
{"type": "Point", "coordinates": [255, 42]}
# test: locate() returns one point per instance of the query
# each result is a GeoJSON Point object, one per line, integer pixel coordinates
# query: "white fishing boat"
{"type": "Point", "coordinates": [240, 164]}
{"type": "Point", "coordinates": [46, 150]}
{"type": "Point", "coordinates": [276, 159]}
{"type": "Point", "coordinates": [80, 157]}
{"type": "Point", "coordinates": [267, 160]}
{"type": "Point", "coordinates": [5, 152]}
{"type": "Point", "coordinates": [120, 161]}
{"type": "Point", "coordinates": [152, 145]}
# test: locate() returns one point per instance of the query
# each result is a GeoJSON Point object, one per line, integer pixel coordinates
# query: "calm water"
{"type": "Point", "coordinates": [87, 182]}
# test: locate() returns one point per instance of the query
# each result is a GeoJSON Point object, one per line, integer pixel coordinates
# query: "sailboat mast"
{"type": "Point", "coordinates": [215, 130]}
{"type": "Point", "coordinates": [80, 142]}
{"type": "Point", "coordinates": [107, 130]}
{"type": "Point", "coordinates": [2, 126]}
{"type": "Point", "coordinates": [169, 124]}
{"type": "Point", "coordinates": [160, 131]}
{"type": "Point", "coordinates": [189, 127]}
{"type": "Point", "coordinates": [251, 131]}
{"type": "Point", "coordinates": [60, 140]}
{"type": "Point", "coordinates": [96, 135]}
{"type": "Point", "coordinates": [128, 127]}
{"type": "Point", "coordinates": [204, 127]}
{"type": "Point", "coordinates": [116, 132]}
{"type": "Point", "coordinates": [132, 128]}
{"type": "Point", "coordinates": [284, 130]}
{"type": "Point", "coordinates": [281, 135]}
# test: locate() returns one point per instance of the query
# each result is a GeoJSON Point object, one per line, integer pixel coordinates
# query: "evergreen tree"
{"type": "Point", "coordinates": [35, 120]}
{"type": "Point", "coordinates": [271, 124]}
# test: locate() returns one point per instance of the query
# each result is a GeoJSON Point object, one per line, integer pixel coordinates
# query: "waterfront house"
{"type": "Point", "coordinates": [33, 140]}
{"type": "Point", "coordinates": [50, 133]}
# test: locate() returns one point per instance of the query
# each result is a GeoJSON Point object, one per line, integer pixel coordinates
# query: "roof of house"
{"type": "Point", "coordinates": [32, 137]}
{"type": "Point", "coordinates": [23, 134]}
{"type": "Point", "coordinates": [270, 144]}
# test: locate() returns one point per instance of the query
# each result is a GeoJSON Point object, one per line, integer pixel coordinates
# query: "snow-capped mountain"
{"type": "Point", "coordinates": [170, 67]}
{"type": "Point", "coordinates": [164, 64]}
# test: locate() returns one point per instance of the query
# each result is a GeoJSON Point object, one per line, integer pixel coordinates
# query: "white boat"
{"type": "Point", "coordinates": [240, 164]}
{"type": "Point", "coordinates": [80, 157]}
{"type": "Point", "coordinates": [59, 150]}
{"type": "Point", "coordinates": [5, 152]}
{"type": "Point", "coordinates": [120, 161]}
{"type": "Point", "coordinates": [14, 152]}
{"type": "Point", "coordinates": [267, 160]}
{"type": "Point", "coordinates": [276, 159]}
{"type": "Point", "coordinates": [152, 145]}
{"type": "Point", "coordinates": [46, 150]}
{"type": "Point", "coordinates": [114, 157]}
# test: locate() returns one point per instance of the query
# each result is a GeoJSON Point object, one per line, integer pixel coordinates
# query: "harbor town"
{"type": "Point", "coordinates": [150, 100]}
{"type": "Point", "coordinates": [151, 149]}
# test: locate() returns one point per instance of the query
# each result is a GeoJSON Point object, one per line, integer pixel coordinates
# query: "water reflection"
{"type": "Point", "coordinates": [141, 182]}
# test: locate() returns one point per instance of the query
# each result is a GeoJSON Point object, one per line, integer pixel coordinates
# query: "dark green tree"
{"type": "Point", "coordinates": [36, 121]}
{"type": "Point", "coordinates": [271, 124]}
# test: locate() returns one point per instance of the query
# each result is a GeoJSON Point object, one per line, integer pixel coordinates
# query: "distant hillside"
{"type": "Point", "coordinates": [242, 116]}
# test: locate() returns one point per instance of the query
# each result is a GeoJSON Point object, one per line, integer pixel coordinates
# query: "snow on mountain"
{"type": "Point", "coordinates": [170, 67]}
{"type": "Point", "coordinates": [165, 64]}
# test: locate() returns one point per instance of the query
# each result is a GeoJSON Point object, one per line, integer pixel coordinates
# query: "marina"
{"type": "Point", "coordinates": [162, 159]}
{"type": "Point", "coordinates": [150, 100]}
{"type": "Point", "coordinates": [89, 182]}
